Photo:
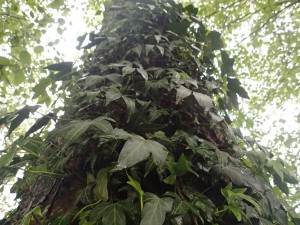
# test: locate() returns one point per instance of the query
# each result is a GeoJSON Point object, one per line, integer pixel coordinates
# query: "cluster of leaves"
{"type": "Point", "coordinates": [143, 139]}
{"type": "Point", "coordinates": [265, 35]}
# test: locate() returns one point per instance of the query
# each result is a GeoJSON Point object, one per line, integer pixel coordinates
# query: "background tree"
{"type": "Point", "coordinates": [153, 91]}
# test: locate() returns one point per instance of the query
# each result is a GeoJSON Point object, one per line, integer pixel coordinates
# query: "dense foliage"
{"type": "Point", "coordinates": [145, 137]}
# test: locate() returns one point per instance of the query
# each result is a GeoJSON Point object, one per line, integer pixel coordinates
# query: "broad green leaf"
{"type": "Point", "coordinates": [61, 67]}
{"type": "Point", "coordinates": [112, 94]}
{"type": "Point", "coordinates": [99, 211]}
{"type": "Point", "coordinates": [100, 190]}
{"type": "Point", "coordinates": [103, 124]}
{"type": "Point", "coordinates": [25, 57]}
{"type": "Point", "coordinates": [182, 167]}
{"type": "Point", "coordinates": [72, 131]}
{"type": "Point", "coordinates": [114, 216]}
{"type": "Point", "coordinates": [6, 159]}
{"type": "Point", "coordinates": [155, 209]}
{"type": "Point", "coordinates": [18, 76]}
{"type": "Point", "coordinates": [137, 149]}
{"type": "Point", "coordinates": [182, 92]}
{"type": "Point", "coordinates": [203, 100]}
{"type": "Point", "coordinates": [143, 73]}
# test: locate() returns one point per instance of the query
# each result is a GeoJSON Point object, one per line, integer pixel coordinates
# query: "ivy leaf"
{"type": "Point", "coordinates": [102, 124]}
{"type": "Point", "coordinates": [214, 40]}
{"type": "Point", "coordinates": [203, 100]}
{"type": "Point", "coordinates": [130, 103]}
{"type": "Point", "coordinates": [74, 131]}
{"type": "Point", "coordinates": [143, 73]}
{"type": "Point", "coordinates": [41, 122]}
{"type": "Point", "coordinates": [161, 49]}
{"type": "Point", "coordinates": [155, 209]}
{"type": "Point", "coordinates": [112, 94]}
{"type": "Point", "coordinates": [100, 190]}
{"type": "Point", "coordinates": [182, 92]}
{"type": "Point", "coordinates": [182, 166]}
{"type": "Point", "coordinates": [8, 157]}
{"type": "Point", "coordinates": [108, 213]}
{"type": "Point", "coordinates": [114, 216]}
{"type": "Point", "coordinates": [138, 49]}
{"type": "Point", "coordinates": [22, 114]}
{"type": "Point", "coordinates": [235, 86]}
{"type": "Point", "coordinates": [61, 67]}
{"type": "Point", "coordinates": [127, 70]}
{"type": "Point", "coordinates": [137, 149]}
{"type": "Point", "coordinates": [91, 81]}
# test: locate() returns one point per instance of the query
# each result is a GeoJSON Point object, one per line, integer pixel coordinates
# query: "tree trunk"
{"type": "Point", "coordinates": [143, 139]}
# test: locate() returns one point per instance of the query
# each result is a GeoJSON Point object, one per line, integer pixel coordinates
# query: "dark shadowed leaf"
{"type": "Point", "coordinates": [41, 122]}
{"type": "Point", "coordinates": [112, 94]}
{"type": "Point", "coordinates": [22, 114]}
{"type": "Point", "coordinates": [61, 67]}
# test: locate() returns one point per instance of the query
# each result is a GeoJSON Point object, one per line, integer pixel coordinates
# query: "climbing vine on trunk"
{"type": "Point", "coordinates": [145, 137]}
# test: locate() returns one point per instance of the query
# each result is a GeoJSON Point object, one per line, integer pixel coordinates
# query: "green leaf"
{"type": "Point", "coordinates": [8, 157]}
{"type": "Point", "coordinates": [155, 209]}
{"type": "Point", "coordinates": [63, 67]}
{"type": "Point", "coordinates": [130, 103]}
{"type": "Point", "coordinates": [236, 210]}
{"type": "Point", "coordinates": [93, 80]}
{"type": "Point", "coordinates": [138, 49]}
{"type": "Point", "coordinates": [18, 76]}
{"type": "Point", "coordinates": [40, 88]}
{"type": "Point", "coordinates": [25, 57]}
{"type": "Point", "coordinates": [136, 185]}
{"type": "Point", "coordinates": [108, 213]}
{"type": "Point", "coordinates": [214, 40]}
{"type": "Point", "coordinates": [71, 131]}
{"type": "Point", "coordinates": [4, 61]}
{"type": "Point", "coordinates": [137, 149]}
{"type": "Point", "coordinates": [182, 92]}
{"type": "Point", "coordinates": [38, 49]}
{"type": "Point", "coordinates": [56, 4]}
{"type": "Point", "coordinates": [203, 100]}
{"type": "Point", "coordinates": [182, 166]}
{"type": "Point", "coordinates": [127, 70]}
{"type": "Point", "coordinates": [41, 122]}
{"type": "Point", "coordinates": [112, 94]}
{"type": "Point", "coordinates": [100, 190]}
{"type": "Point", "coordinates": [22, 115]}
{"type": "Point", "coordinates": [143, 73]}
{"type": "Point", "coordinates": [114, 216]}
{"type": "Point", "coordinates": [102, 124]}
{"type": "Point", "coordinates": [161, 49]}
